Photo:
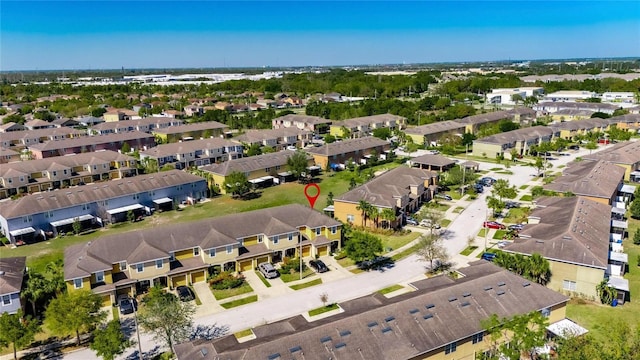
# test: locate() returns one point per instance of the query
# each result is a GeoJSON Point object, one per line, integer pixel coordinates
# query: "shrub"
{"type": "Point", "coordinates": [636, 237]}
{"type": "Point", "coordinates": [290, 265]}
{"type": "Point", "coordinates": [226, 280]}
{"type": "Point", "coordinates": [341, 255]}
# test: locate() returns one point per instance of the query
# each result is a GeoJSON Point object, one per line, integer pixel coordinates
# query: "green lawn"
{"type": "Point", "coordinates": [468, 250]}
{"type": "Point", "coordinates": [458, 209]}
{"type": "Point", "coordinates": [517, 215]}
{"type": "Point", "coordinates": [397, 241]}
{"type": "Point", "coordinates": [38, 255]}
{"type": "Point", "coordinates": [346, 262]}
{"type": "Point", "coordinates": [390, 289]}
{"type": "Point", "coordinates": [323, 309]}
{"type": "Point", "coordinates": [197, 299]}
{"type": "Point", "coordinates": [239, 302]}
{"type": "Point", "coordinates": [296, 275]}
{"type": "Point", "coordinates": [524, 187]}
{"type": "Point", "coordinates": [406, 252]}
{"type": "Point", "coordinates": [499, 234]}
{"type": "Point", "coordinates": [496, 169]}
{"type": "Point", "coordinates": [264, 281]}
{"type": "Point", "coordinates": [307, 284]}
{"type": "Point", "coordinates": [445, 222]}
{"type": "Point", "coordinates": [593, 315]}
{"type": "Point", "coordinates": [438, 206]}
{"type": "Point", "coordinates": [482, 232]}
{"type": "Point", "coordinates": [526, 197]}
{"type": "Point", "coordinates": [227, 293]}
{"type": "Point", "coordinates": [243, 333]}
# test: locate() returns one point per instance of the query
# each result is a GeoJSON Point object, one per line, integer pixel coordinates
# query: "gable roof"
{"type": "Point", "coordinates": [571, 229]}
{"type": "Point", "coordinates": [208, 125]}
{"type": "Point", "coordinates": [250, 163]}
{"type": "Point", "coordinates": [435, 128]}
{"type": "Point", "coordinates": [589, 178]}
{"type": "Point", "coordinates": [41, 133]}
{"type": "Point", "coordinates": [89, 140]}
{"type": "Point", "coordinates": [433, 160]}
{"type": "Point", "coordinates": [306, 119]}
{"type": "Point", "coordinates": [348, 146]}
{"type": "Point", "coordinates": [252, 136]}
{"type": "Point", "coordinates": [627, 152]}
{"type": "Point", "coordinates": [523, 134]}
{"type": "Point", "coordinates": [156, 243]}
{"type": "Point", "coordinates": [406, 326]}
{"type": "Point", "coordinates": [188, 146]}
{"type": "Point", "coordinates": [368, 120]}
{"type": "Point", "coordinates": [153, 120]}
{"type": "Point", "coordinates": [384, 190]}
{"type": "Point", "coordinates": [64, 198]}
{"type": "Point", "coordinates": [11, 274]}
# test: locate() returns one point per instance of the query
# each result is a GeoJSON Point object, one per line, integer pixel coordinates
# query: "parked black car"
{"type": "Point", "coordinates": [127, 305]}
{"type": "Point", "coordinates": [185, 293]}
{"type": "Point", "coordinates": [478, 188]}
{"type": "Point", "coordinates": [444, 196]}
{"type": "Point", "coordinates": [319, 266]}
{"type": "Point", "coordinates": [573, 147]}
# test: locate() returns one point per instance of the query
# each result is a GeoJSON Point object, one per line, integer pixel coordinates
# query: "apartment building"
{"type": "Point", "coordinates": [357, 150]}
{"type": "Point", "coordinates": [279, 139]}
{"type": "Point", "coordinates": [314, 124]}
{"type": "Point", "coordinates": [146, 125]}
{"type": "Point", "coordinates": [363, 126]}
{"type": "Point", "coordinates": [21, 139]}
{"type": "Point", "coordinates": [12, 271]}
{"type": "Point", "coordinates": [134, 139]}
{"type": "Point", "coordinates": [521, 140]}
{"type": "Point", "coordinates": [188, 154]}
{"type": "Point", "coordinates": [595, 180]}
{"type": "Point", "coordinates": [190, 131]}
{"type": "Point", "coordinates": [430, 134]}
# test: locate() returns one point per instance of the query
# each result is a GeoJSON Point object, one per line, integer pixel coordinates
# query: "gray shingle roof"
{"type": "Point", "coordinates": [153, 120]}
{"type": "Point", "coordinates": [208, 125]}
{"type": "Point", "coordinates": [154, 243]}
{"type": "Point", "coordinates": [188, 146]}
{"type": "Point", "coordinates": [368, 120]}
{"type": "Point", "coordinates": [435, 128]}
{"type": "Point", "coordinates": [523, 134]}
{"type": "Point", "coordinates": [348, 146]}
{"type": "Point", "coordinates": [589, 178]}
{"type": "Point", "coordinates": [13, 272]}
{"type": "Point", "coordinates": [402, 327]}
{"type": "Point", "coordinates": [89, 140]}
{"type": "Point", "coordinates": [40, 133]}
{"type": "Point", "coordinates": [627, 152]}
{"type": "Point", "coordinates": [63, 198]}
{"type": "Point", "coordinates": [384, 190]}
{"type": "Point", "coordinates": [252, 136]}
{"type": "Point", "coordinates": [307, 119]}
{"type": "Point", "coordinates": [571, 229]}
{"type": "Point", "coordinates": [250, 163]}
{"type": "Point", "coordinates": [433, 160]}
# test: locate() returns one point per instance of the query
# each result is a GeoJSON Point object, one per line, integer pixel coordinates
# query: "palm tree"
{"type": "Point", "coordinates": [606, 293]}
{"type": "Point", "coordinates": [389, 216]}
{"type": "Point", "coordinates": [373, 213]}
{"type": "Point", "coordinates": [539, 270]}
{"type": "Point", "coordinates": [363, 206]}
{"type": "Point", "coordinates": [35, 289]}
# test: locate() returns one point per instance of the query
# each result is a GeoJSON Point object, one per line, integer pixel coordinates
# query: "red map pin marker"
{"type": "Point", "coordinates": [312, 198]}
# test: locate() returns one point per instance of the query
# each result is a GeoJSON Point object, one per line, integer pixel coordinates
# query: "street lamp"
{"type": "Point", "coordinates": [486, 229]}
{"type": "Point", "coordinates": [135, 317]}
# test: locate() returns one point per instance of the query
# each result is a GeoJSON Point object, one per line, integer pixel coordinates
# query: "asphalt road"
{"type": "Point", "coordinates": [466, 225]}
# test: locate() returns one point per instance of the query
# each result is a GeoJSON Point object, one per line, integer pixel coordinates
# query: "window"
{"type": "Point", "coordinates": [212, 252]}
{"type": "Point", "coordinates": [277, 167]}
{"type": "Point", "coordinates": [334, 229]}
{"type": "Point", "coordinates": [159, 264]}
{"type": "Point", "coordinates": [139, 268]}
{"type": "Point", "coordinates": [274, 239]}
{"type": "Point", "coordinates": [569, 285]}
{"type": "Point", "coordinates": [229, 249]}
{"type": "Point", "coordinates": [259, 238]}
{"type": "Point", "coordinates": [6, 299]}
{"type": "Point", "coordinates": [172, 256]}
{"type": "Point", "coordinates": [350, 218]}
{"type": "Point", "coordinates": [318, 231]}
{"type": "Point", "coordinates": [100, 276]}
{"type": "Point", "coordinates": [196, 251]}
{"type": "Point", "coordinates": [136, 196]}
{"type": "Point", "coordinates": [546, 312]}
{"type": "Point", "coordinates": [64, 171]}
{"type": "Point", "coordinates": [123, 266]}
{"type": "Point", "coordinates": [85, 206]}
{"type": "Point", "coordinates": [449, 348]}
{"type": "Point", "coordinates": [267, 169]}
{"type": "Point", "coordinates": [77, 283]}
{"type": "Point", "coordinates": [290, 236]}
{"type": "Point", "coordinates": [476, 338]}
{"type": "Point", "coordinates": [48, 214]}
{"type": "Point", "coordinates": [55, 173]}
{"type": "Point", "coordinates": [27, 219]}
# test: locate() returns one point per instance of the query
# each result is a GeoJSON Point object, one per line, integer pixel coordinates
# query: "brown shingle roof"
{"type": "Point", "coordinates": [12, 273]}
{"type": "Point", "coordinates": [348, 146]}
{"type": "Point", "coordinates": [307, 119]}
{"type": "Point", "coordinates": [188, 146]}
{"type": "Point", "coordinates": [589, 178]}
{"type": "Point", "coordinates": [573, 229]}
{"type": "Point", "coordinates": [623, 153]}
{"type": "Point", "coordinates": [40, 133]}
{"type": "Point", "coordinates": [435, 128]}
{"type": "Point", "coordinates": [252, 136]}
{"type": "Point", "coordinates": [89, 140]}
{"type": "Point", "coordinates": [402, 327]}
{"type": "Point", "coordinates": [433, 160]}
{"type": "Point", "coordinates": [250, 163]}
{"type": "Point", "coordinates": [209, 125]}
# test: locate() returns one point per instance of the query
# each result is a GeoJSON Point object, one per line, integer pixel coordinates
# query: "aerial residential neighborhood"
{"type": "Point", "coordinates": [368, 180]}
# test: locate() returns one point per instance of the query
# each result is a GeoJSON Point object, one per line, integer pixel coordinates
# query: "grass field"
{"type": "Point", "coordinates": [397, 241]}
{"type": "Point", "coordinates": [517, 215]}
{"type": "Point", "coordinates": [243, 333]}
{"type": "Point", "coordinates": [322, 310]}
{"type": "Point", "coordinates": [445, 222]}
{"type": "Point", "coordinates": [390, 289]}
{"type": "Point", "coordinates": [468, 250]}
{"type": "Point", "coordinates": [240, 302]}
{"type": "Point", "coordinates": [227, 293]}
{"type": "Point", "coordinates": [264, 281]}
{"type": "Point", "coordinates": [524, 187]}
{"type": "Point", "coordinates": [458, 209]}
{"type": "Point", "coordinates": [296, 275]}
{"type": "Point", "coordinates": [482, 232]}
{"type": "Point", "coordinates": [526, 197]}
{"type": "Point", "coordinates": [307, 284]}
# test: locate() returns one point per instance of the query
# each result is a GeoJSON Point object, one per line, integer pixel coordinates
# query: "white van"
{"type": "Point", "coordinates": [268, 271]}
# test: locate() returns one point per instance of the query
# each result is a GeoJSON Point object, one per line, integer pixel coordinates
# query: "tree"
{"type": "Point", "coordinates": [76, 226]}
{"type": "Point", "coordinates": [502, 189]}
{"type": "Point", "coordinates": [125, 148]}
{"type": "Point", "coordinates": [253, 149]}
{"type": "Point", "coordinates": [363, 206]}
{"type": "Point", "coordinates": [98, 112]}
{"type": "Point", "coordinates": [109, 341]}
{"type": "Point", "coordinates": [636, 237]}
{"type": "Point", "coordinates": [448, 143]}
{"type": "Point", "coordinates": [388, 216]}
{"type": "Point", "coordinates": [467, 139]}
{"type": "Point", "coordinates": [591, 145]}
{"type": "Point", "coordinates": [297, 164]}
{"type": "Point", "coordinates": [16, 118]}
{"type": "Point", "coordinates": [329, 199]}
{"type": "Point", "coordinates": [510, 337]}
{"type": "Point", "coordinates": [345, 132]}
{"type": "Point", "coordinates": [74, 312]}
{"type": "Point", "coordinates": [432, 216]}
{"type": "Point", "coordinates": [324, 297]}
{"type": "Point", "coordinates": [431, 248]}
{"type": "Point", "coordinates": [538, 165]}
{"type": "Point", "coordinates": [606, 293]}
{"type": "Point", "coordinates": [328, 138]}
{"type": "Point", "coordinates": [167, 318]}
{"type": "Point", "coordinates": [539, 269]}
{"type": "Point", "coordinates": [635, 208]}
{"type": "Point", "coordinates": [495, 204]}
{"type": "Point", "coordinates": [516, 98]}
{"type": "Point", "coordinates": [237, 184]}
{"type": "Point", "coordinates": [17, 331]}
{"type": "Point", "coordinates": [362, 246]}
{"type": "Point", "coordinates": [382, 133]}
{"type": "Point", "coordinates": [131, 216]}
{"type": "Point", "coordinates": [36, 288]}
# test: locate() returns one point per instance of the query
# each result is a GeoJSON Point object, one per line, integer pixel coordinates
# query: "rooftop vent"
{"type": "Point", "coordinates": [487, 288]}
{"type": "Point", "coordinates": [452, 298]}
{"type": "Point", "coordinates": [204, 351]}
{"type": "Point", "coordinates": [372, 324]}
{"type": "Point", "coordinates": [390, 318]}
{"type": "Point", "coordinates": [500, 292]}
{"type": "Point", "coordinates": [467, 294]}
{"type": "Point", "coordinates": [345, 333]}
{"type": "Point", "coordinates": [274, 356]}
{"type": "Point", "coordinates": [413, 311]}
{"type": "Point", "coordinates": [325, 339]}
{"type": "Point", "coordinates": [525, 284]}
{"type": "Point", "coordinates": [465, 304]}
{"type": "Point", "coordinates": [340, 345]}
{"type": "Point", "coordinates": [427, 316]}
{"type": "Point", "coordinates": [502, 283]}
{"type": "Point", "coordinates": [386, 330]}
{"type": "Point", "coordinates": [430, 306]}
{"type": "Point", "coordinates": [295, 349]}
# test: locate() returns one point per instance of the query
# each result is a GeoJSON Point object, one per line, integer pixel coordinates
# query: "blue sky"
{"type": "Point", "coordinates": [39, 35]}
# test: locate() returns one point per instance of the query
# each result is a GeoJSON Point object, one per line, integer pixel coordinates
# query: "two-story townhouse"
{"type": "Point", "coordinates": [625, 154]}
{"type": "Point", "coordinates": [596, 180]}
{"type": "Point", "coordinates": [402, 190]}
{"type": "Point", "coordinates": [134, 139]}
{"type": "Point", "coordinates": [11, 126]}
{"type": "Point", "coordinates": [431, 134]}
{"type": "Point", "coordinates": [119, 115]}
{"type": "Point", "coordinates": [194, 153]}
{"type": "Point", "coordinates": [279, 139]}
{"type": "Point", "coordinates": [11, 275]}
{"type": "Point", "coordinates": [41, 215]}
{"type": "Point", "coordinates": [363, 126]}
{"type": "Point", "coordinates": [550, 107]}
{"type": "Point", "coordinates": [261, 170]}
{"type": "Point", "coordinates": [442, 318]}
{"type": "Point", "coordinates": [36, 124]}
{"type": "Point", "coordinates": [8, 155]}
{"type": "Point", "coordinates": [474, 122]}
{"type": "Point", "coordinates": [180, 254]}
{"type": "Point", "coordinates": [21, 139]}
{"type": "Point", "coordinates": [315, 124]}
{"type": "Point", "coordinates": [143, 125]}
{"type": "Point", "coordinates": [356, 150]}
{"type": "Point", "coordinates": [519, 140]}
{"type": "Point", "coordinates": [190, 131]}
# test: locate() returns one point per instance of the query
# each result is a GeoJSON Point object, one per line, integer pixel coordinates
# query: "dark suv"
{"type": "Point", "coordinates": [319, 266]}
